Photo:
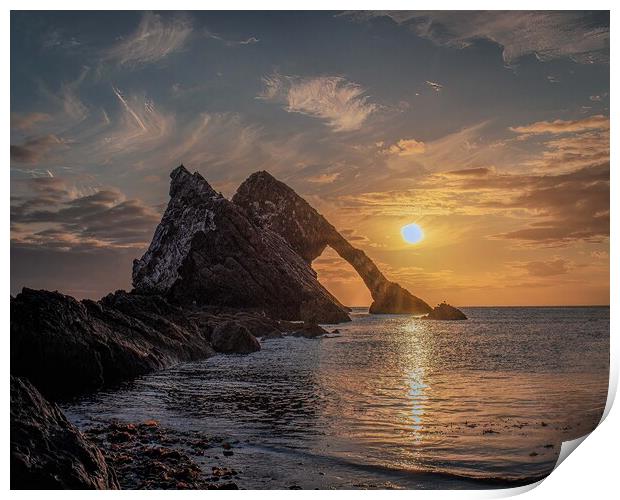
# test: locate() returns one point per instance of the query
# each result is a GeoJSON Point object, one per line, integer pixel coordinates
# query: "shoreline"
{"type": "Point", "coordinates": [149, 455]}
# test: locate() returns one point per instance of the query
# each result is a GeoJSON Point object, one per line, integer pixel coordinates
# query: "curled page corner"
{"type": "Point", "coordinates": [568, 447]}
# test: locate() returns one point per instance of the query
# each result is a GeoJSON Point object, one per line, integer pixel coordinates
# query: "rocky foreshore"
{"type": "Point", "coordinates": [47, 452]}
{"type": "Point", "coordinates": [147, 455]}
{"type": "Point", "coordinates": [217, 276]}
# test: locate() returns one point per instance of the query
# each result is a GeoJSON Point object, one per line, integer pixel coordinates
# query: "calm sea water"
{"type": "Point", "coordinates": [390, 401]}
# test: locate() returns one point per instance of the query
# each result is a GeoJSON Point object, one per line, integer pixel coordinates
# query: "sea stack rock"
{"type": "Point", "coordinates": [47, 452]}
{"type": "Point", "coordinates": [206, 251]}
{"type": "Point", "coordinates": [275, 206]}
{"type": "Point", "coordinates": [445, 311]}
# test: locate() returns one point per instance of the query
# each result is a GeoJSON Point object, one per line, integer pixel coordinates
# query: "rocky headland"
{"type": "Point", "coordinates": [217, 276]}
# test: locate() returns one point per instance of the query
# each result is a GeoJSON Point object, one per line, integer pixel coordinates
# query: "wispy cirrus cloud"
{"type": "Point", "coordinates": [134, 130]}
{"type": "Point", "coordinates": [55, 39]}
{"type": "Point", "coordinates": [156, 37]}
{"type": "Point", "coordinates": [546, 34]}
{"type": "Point", "coordinates": [220, 142]}
{"type": "Point", "coordinates": [231, 43]}
{"type": "Point", "coordinates": [437, 87]}
{"type": "Point", "coordinates": [599, 122]}
{"type": "Point", "coordinates": [342, 104]}
{"type": "Point", "coordinates": [68, 108]}
{"type": "Point", "coordinates": [140, 123]}
{"type": "Point", "coordinates": [137, 127]}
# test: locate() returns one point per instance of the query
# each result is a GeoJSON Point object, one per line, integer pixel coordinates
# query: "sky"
{"type": "Point", "coordinates": [490, 130]}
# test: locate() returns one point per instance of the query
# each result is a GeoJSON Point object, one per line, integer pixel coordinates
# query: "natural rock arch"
{"type": "Point", "coordinates": [207, 252]}
{"type": "Point", "coordinates": [276, 206]}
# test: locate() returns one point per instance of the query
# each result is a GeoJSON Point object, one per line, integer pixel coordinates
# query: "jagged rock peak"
{"type": "Point", "coordinates": [207, 251]}
{"type": "Point", "coordinates": [189, 211]}
{"type": "Point", "coordinates": [183, 182]}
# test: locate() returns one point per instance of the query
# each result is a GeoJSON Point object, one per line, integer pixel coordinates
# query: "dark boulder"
{"type": "Point", "coordinates": [275, 334]}
{"type": "Point", "coordinates": [257, 324]}
{"type": "Point", "coordinates": [47, 452]}
{"type": "Point", "coordinates": [207, 252]}
{"type": "Point", "coordinates": [445, 311]}
{"type": "Point", "coordinates": [275, 206]}
{"type": "Point", "coordinates": [309, 331]}
{"type": "Point", "coordinates": [231, 337]}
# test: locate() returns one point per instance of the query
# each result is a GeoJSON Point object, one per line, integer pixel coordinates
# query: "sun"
{"type": "Point", "coordinates": [412, 233]}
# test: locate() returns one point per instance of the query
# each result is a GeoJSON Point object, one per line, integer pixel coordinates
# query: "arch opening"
{"type": "Point", "coordinates": [341, 280]}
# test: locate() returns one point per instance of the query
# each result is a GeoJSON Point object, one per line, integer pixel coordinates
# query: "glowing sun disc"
{"type": "Point", "coordinates": [412, 233]}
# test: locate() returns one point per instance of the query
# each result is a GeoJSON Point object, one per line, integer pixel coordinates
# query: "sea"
{"type": "Point", "coordinates": [389, 401]}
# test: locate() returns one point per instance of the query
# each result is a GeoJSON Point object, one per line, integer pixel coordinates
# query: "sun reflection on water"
{"type": "Point", "coordinates": [418, 399]}
{"type": "Point", "coordinates": [419, 359]}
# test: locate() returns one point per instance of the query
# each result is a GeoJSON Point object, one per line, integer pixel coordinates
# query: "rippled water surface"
{"type": "Point", "coordinates": [390, 401]}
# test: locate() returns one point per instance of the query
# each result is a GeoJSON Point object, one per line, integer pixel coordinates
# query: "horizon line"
{"type": "Point", "coordinates": [518, 305]}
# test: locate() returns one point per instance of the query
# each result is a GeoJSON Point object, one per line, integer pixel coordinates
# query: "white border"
{"type": "Point", "coordinates": [590, 472]}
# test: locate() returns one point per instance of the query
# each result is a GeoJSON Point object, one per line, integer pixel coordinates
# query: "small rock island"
{"type": "Point", "coordinates": [444, 312]}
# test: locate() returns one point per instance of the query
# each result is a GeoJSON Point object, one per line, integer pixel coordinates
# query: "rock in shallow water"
{"type": "Point", "coordinates": [445, 312]}
{"type": "Point", "coordinates": [232, 337]}
{"type": "Point", "coordinates": [309, 331]}
{"type": "Point", "coordinates": [47, 452]}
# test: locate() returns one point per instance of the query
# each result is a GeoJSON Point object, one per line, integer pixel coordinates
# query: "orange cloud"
{"type": "Point", "coordinates": [600, 122]}
{"type": "Point", "coordinates": [554, 209]}
{"type": "Point", "coordinates": [407, 147]}
{"type": "Point", "coordinates": [325, 178]}
{"type": "Point", "coordinates": [547, 268]}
